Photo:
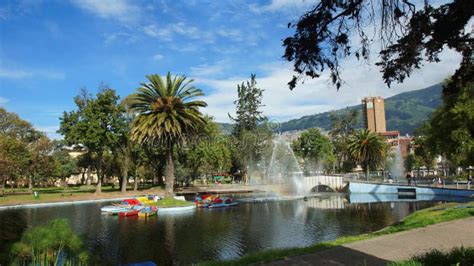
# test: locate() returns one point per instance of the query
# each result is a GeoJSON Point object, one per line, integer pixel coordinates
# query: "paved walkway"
{"type": "Point", "coordinates": [393, 247]}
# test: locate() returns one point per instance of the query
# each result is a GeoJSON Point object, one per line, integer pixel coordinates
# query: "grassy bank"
{"type": "Point", "coordinates": [72, 194]}
{"type": "Point", "coordinates": [457, 256]}
{"type": "Point", "coordinates": [433, 215]}
{"type": "Point", "coordinates": [168, 203]}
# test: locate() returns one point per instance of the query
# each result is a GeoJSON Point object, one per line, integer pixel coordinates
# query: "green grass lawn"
{"type": "Point", "coordinates": [433, 215]}
{"type": "Point", "coordinates": [167, 203]}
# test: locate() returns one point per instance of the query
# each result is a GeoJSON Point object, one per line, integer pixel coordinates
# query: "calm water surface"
{"type": "Point", "coordinates": [190, 237]}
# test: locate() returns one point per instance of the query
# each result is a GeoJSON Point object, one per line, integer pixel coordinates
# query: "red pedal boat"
{"type": "Point", "coordinates": [129, 213]}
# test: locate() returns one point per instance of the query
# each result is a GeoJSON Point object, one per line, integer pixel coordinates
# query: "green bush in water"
{"type": "Point", "coordinates": [51, 244]}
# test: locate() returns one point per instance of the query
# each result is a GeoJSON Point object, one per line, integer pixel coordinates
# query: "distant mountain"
{"type": "Point", "coordinates": [225, 128]}
{"type": "Point", "coordinates": [404, 112]}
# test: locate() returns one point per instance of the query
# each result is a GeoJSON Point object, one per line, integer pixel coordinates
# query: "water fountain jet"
{"type": "Point", "coordinates": [284, 169]}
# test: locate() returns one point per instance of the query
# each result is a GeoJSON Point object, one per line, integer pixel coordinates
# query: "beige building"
{"type": "Point", "coordinates": [373, 112]}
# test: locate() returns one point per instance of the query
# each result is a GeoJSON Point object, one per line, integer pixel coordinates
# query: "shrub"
{"type": "Point", "coordinates": [51, 244]}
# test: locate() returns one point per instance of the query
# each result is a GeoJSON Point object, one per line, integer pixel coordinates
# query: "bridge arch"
{"type": "Point", "coordinates": [322, 182]}
{"type": "Point", "coordinates": [322, 188]}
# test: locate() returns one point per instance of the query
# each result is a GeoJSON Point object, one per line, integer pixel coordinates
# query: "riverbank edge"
{"type": "Point", "coordinates": [49, 204]}
{"type": "Point", "coordinates": [91, 198]}
{"type": "Point", "coordinates": [444, 213]}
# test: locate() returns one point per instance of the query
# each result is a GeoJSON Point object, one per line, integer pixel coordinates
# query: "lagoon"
{"type": "Point", "coordinates": [206, 234]}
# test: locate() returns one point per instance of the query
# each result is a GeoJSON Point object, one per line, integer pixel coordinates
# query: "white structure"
{"type": "Point", "coordinates": [334, 182]}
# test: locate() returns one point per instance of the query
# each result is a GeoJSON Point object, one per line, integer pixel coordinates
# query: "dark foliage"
{"type": "Point", "coordinates": [324, 35]}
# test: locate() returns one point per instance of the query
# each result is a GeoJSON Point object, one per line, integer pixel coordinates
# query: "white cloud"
{"type": "Point", "coordinates": [282, 5]}
{"type": "Point", "coordinates": [14, 74]}
{"type": "Point", "coordinates": [157, 57]}
{"type": "Point", "coordinates": [206, 70]}
{"type": "Point", "coordinates": [232, 34]}
{"type": "Point", "coordinates": [186, 48]}
{"type": "Point", "coordinates": [124, 37]}
{"type": "Point", "coordinates": [154, 31]}
{"type": "Point", "coordinates": [318, 95]}
{"type": "Point", "coordinates": [121, 10]}
{"type": "Point", "coordinates": [3, 101]}
{"type": "Point", "coordinates": [187, 30]}
{"type": "Point", "coordinates": [23, 74]}
{"type": "Point", "coordinates": [50, 131]}
{"type": "Point", "coordinates": [167, 32]}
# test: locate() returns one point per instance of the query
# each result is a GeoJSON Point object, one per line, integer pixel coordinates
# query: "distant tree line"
{"type": "Point", "coordinates": [159, 132]}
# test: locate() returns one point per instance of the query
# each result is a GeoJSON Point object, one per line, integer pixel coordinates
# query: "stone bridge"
{"type": "Point", "coordinates": [321, 183]}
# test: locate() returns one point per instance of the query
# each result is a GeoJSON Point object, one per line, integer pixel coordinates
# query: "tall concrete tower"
{"type": "Point", "coordinates": [374, 114]}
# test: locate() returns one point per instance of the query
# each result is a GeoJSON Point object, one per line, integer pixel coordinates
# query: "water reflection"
{"type": "Point", "coordinates": [203, 234]}
{"type": "Point", "coordinates": [368, 198]}
{"type": "Point", "coordinates": [12, 225]}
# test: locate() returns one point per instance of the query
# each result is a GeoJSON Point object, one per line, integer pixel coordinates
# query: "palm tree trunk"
{"type": "Point", "coordinates": [169, 173]}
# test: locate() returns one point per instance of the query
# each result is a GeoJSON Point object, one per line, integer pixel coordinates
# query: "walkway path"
{"type": "Point", "coordinates": [393, 247]}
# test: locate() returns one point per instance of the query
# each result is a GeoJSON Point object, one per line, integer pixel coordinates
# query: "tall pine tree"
{"type": "Point", "coordinates": [250, 133]}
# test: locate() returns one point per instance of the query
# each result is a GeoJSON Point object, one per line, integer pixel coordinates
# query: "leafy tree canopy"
{"type": "Point", "coordinates": [11, 124]}
{"type": "Point", "coordinates": [97, 123]}
{"type": "Point", "coordinates": [210, 152]}
{"type": "Point", "coordinates": [313, 145]}
{"type": "Point", "coordinates": [314, 148]}
{"type": "Point", "coordinates": [450, 131]}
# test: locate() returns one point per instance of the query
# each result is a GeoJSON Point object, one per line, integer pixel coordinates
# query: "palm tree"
{"type": "Point", "coordinates": [367, 148]}
{"type": "Point", "coordinates": [166, 115]}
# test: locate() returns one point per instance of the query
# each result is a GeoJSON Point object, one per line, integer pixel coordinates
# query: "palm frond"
{"type": "Point", "coordinates": [166, 111]}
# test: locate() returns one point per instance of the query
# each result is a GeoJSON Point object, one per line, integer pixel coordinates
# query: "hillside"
{"type": "Point", "coordinates": [404, 112]}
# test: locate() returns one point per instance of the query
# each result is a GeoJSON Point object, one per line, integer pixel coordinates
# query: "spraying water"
{"type": "Point", "coordinates": [283, 167]}
{"type": "Point", "coordinates": [396, 168]}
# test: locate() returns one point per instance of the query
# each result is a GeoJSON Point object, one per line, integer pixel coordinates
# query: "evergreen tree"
{"type": "Point", "coordinates": [248, 107]}
{"type": "Point", "coordinates": [250, 131]}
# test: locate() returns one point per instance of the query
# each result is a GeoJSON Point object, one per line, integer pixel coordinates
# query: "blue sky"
{"type": "Point", "coordinates": [50, 49]}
